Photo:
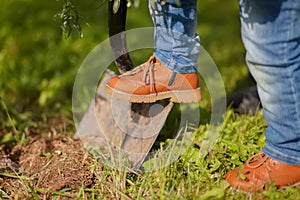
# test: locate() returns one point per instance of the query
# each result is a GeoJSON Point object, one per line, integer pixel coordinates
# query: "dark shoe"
{"type": "Point", "coordinates": [153, 81]}
{"type": "Point", "coordinates": [260, 171]}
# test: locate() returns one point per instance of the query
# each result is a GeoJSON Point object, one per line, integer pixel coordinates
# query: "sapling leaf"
{"type": "Point", "coordinates": [116, 6]}
{"type": "Point", "coordinates": [69, 18]}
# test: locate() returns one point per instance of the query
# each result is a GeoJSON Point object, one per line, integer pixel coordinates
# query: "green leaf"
{"type": "Point", "coordinates": [47, 154]}
{"type": "Point", "coordinates": [215, 193]}
{"type": "Point", "coordinates": [9, 137]}
{"type": "Point", "coordinates": [116, 6]}
{"type": "Point", "coordinates": [69, 18]}
{"type": "Point", "coordinates": [34, 193]}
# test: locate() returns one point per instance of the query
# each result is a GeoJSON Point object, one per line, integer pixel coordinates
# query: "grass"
{"type": "Point", "coordinates": [38, 68]}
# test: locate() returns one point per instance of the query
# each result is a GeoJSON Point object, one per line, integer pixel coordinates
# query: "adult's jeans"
{"type": "Point", "coordinates": [176, 42]}
{"type": "Point", "coordinates": [271, 36]}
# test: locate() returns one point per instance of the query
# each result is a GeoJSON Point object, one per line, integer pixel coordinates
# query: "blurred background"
{"type": "Point", "coordinates": [38, 64]}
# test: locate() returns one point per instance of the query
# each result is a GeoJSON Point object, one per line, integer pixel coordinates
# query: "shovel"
{"type": "Point", "coordinates": [121, 133]}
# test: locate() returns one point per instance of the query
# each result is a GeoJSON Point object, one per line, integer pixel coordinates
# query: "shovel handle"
{"type": "Point", "coordinates": [116, 26]}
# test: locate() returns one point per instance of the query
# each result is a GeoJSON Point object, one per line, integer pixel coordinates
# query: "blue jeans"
{"type": "Point", "coordinates": [175, 40]}
{"type": "Point", "coordinates": [271, 36]}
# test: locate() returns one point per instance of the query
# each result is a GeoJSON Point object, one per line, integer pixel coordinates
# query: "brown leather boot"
{"type": "Point", "coordinates": [154, 81]}
{"type": "Point", "coordinates": [260, 171]}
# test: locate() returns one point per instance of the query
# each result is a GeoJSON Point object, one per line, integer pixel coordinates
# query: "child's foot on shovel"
{"type": "Point", "coordinates": [153, 81]}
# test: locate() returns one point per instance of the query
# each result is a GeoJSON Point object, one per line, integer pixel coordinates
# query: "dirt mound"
{"type": "Point", "coordinates": [45, 165]}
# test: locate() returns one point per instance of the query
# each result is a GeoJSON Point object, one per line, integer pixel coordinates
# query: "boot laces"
{"type": "Point", "coordinates": [148, 72]}
{"type": "Point", "coordinates": [260, 158]}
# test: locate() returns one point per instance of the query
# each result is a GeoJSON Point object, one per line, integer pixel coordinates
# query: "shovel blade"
{"type": "Point", "coordinates": [122, 132]}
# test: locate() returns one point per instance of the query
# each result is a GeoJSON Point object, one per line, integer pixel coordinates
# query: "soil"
{"type": "Point", "coordinates": [46, 166]}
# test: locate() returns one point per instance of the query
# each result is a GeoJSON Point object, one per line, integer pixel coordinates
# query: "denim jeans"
{"type": "Point", "coordinates": [271, 36]}
{"type": "Point", "coordinates": [175, 40]}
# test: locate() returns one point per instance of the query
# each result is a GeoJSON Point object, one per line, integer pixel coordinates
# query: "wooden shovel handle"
{"type": "Point", "coordinates": [116, 26]}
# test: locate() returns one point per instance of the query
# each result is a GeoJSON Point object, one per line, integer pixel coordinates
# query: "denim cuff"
{"type": "Point", "coordinates": [283, 155]}
{"type": "Point", "coordinates": [176, 63]}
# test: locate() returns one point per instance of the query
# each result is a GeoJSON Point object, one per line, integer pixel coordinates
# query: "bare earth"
{"type": "Point", "coordinates": [47, 166]}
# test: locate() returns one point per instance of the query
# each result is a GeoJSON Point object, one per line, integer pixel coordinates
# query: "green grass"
{"type": "Point", "coordinates": [38, 68]}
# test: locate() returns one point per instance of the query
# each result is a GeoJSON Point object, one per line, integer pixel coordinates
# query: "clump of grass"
{"type": "Point", "coordinates": [196, 174]}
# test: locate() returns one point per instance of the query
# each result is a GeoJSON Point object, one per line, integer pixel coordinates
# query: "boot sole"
{"type": "Point", "coordinates": [250, 192]}
{"type": "Point", "coordinates": [176, 96]}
